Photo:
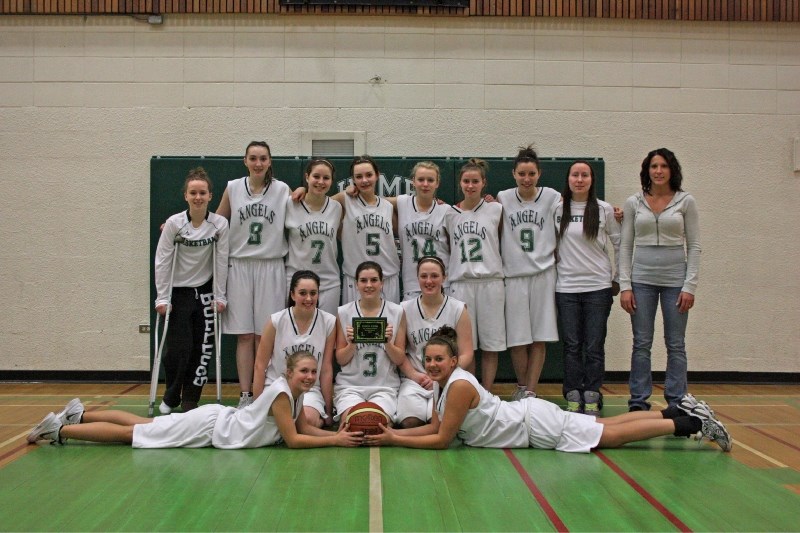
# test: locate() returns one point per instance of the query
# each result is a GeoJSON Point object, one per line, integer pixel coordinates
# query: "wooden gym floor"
{"type": "Point", "coordinates": [666, 484]}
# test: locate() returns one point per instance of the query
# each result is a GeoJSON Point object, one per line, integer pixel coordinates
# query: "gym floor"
{"type": "Point", "coordinates": [666, 484]}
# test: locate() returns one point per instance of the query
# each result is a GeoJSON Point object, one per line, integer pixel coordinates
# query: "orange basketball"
{"type": "Point", "coordinates": [366, 416]}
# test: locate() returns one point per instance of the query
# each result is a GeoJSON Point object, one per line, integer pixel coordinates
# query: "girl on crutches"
{"type": "Point", "coordinates": [185, 297]}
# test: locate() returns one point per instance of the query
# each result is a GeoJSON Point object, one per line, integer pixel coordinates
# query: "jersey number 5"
{"type": "Point", "coordinates": [373, 244]}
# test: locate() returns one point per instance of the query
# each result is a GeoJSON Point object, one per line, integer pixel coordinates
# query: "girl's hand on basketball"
{"type": "Point", "coordinates": [350, 439]}
{"type": "Point", "coordinates": [627, 301]}
{"type": "Point", "coordinates": [381, 439]}
{"type": "Point", "coordinates": [298, 194]}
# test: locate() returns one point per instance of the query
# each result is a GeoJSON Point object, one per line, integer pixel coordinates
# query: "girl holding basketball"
{"type": "Point", "coordinates": [192, 234]}
{"type": "Point", "coordinates": [466, 410]}
{"type": "Point", "coordinates": [273, 418]}
{"type": "Point", "coordinates": [369, 369]}
{"type": "Point", "coordinates": [300, 327]}
{"type": "Point", "coordinates": [256, 208]}
{"type": "Point", "coordinates": [312, 225]}
{"type": "Point", "coordinates": [528, 247]}
{"type": "Point", "coordinates": [424, 315]}
{"type": "Point", "coordinates": [476, 268]}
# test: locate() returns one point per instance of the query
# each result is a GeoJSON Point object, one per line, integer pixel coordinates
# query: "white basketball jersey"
{"type": "Point", "coordinates": [529, 233]}
{"type": "Point", "coordinates": [371, 365]}
{"type": "Point", "coordinates": [422, 233]}
{"type": "Point", "coordinates": [475, 242]}
{"type": "Point", "coordinates": [493, 423]}
{"type": "Point", "coordinates": [312, 240]}
{"type": "Point", "coordinates": [420, 329]}
{"type": "Point", "coordinates": [253, 426]}
{"type": "Point", "coordinates": [367, 235]}
{"type": "Point", "coordinates": [257, 220]}
{"type": "Point", "coordinates": [288, 340]}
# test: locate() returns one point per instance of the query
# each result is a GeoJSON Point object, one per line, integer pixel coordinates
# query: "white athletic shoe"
{"type": "Point", "coordinates": [245, 399]}
{"type": "Point", "coordinates": [164, 409]}
{"type": "Point", "coordinates": [714, 430]}
{"type": "Point", "coordinates": [47, 429]}
{"type": "Point", "coordinates": [519, 394]}
{"type": "Point", "coordinates": [694, 407]}
{"type": "Point", "coordinates": [72, 412]}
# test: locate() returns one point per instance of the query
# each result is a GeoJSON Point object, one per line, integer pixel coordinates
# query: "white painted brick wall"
{"type": "Point", "coordinates": [85, 103]}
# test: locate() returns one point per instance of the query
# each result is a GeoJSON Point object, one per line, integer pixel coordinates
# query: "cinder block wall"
{"type": "Point", "coordinates": [85, 102]}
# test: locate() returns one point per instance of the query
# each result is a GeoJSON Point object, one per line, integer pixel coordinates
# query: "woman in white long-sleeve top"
{"type": "Point", "coordinates": [585, 285]}
{"type": "Point", "coordinates": [659, 260]}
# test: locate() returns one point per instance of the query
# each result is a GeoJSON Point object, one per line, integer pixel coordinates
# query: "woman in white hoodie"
{"type": "Point", "coordinates": [659, 260]}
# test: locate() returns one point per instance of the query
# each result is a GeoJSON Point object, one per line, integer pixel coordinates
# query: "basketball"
{"type": "Point", "coordinates": [366, 416]}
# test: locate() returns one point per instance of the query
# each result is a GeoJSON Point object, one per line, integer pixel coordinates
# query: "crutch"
{"type": "Point", "coordinates": [217, 332]}
{"type": "Point", "coordinates": [158, 348]}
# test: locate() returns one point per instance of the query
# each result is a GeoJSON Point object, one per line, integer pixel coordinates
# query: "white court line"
{"type": "Point", "coordinates": [375, 492]}
{"type": "Point", "coordinates": [12, 439]}
{"type": "Point", "coordinates": [777, 463]}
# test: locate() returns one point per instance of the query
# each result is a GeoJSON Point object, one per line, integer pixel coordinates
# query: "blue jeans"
{"type": "Point", "coordinates": [584, 317]}
{"type": "Point", "coordinates": [643, 321]}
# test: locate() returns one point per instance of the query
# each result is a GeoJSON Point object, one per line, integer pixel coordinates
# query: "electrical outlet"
{"type": "Point", "coordinates": [144, 328]}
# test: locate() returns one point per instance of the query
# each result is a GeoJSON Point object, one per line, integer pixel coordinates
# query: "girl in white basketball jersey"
{"type": "Point", "coordinates": [466, 410]}
{"type": "Point", "coordinates": [529, 243]}
{"type": "Point", "coordinates": [312, 225]}
{"type": "Point", "coordinates": [273, 418]}
{"type": "Point", "coordinates": [476, 269]}
{"type": "Point", "coordinates": [191, 234]}
{"type": "Point", "coordinates": [300, 327]}
{"type": "Point", "coordinates": [424, 316]}
{"type": "Point", "coordinates": [368, 230]}
{"type": "Point", "coordinates": [420, 224]}
{"type": "Point", "coordinates": [369, 370]}
{"type": "Point", "coordinates": [255, 205]}
{"type": "Point", "coordinates": [585, 289]}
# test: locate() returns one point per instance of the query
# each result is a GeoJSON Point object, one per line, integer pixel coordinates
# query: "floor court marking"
{"type": "Point", "coordinates": [375, 492]}
{"type": "Point", "coordinates": [540, 498]}
{"type": "Point", "coordinates": [666, 513]}
{"type": "Point", "coordinates": [764, 433]}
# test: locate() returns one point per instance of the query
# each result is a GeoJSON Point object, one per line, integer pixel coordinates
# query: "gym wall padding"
{"type": "Point", "coordinates": [167, 174]}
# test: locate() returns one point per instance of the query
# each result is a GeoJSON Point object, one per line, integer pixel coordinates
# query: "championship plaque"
{"type": "Point", "coordinates": [369, 330]}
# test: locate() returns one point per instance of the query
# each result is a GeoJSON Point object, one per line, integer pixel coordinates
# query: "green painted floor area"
{"type": "Point", "coordinates": [97, 487]}
{"type": "Point", "coordinates": [90, 487]}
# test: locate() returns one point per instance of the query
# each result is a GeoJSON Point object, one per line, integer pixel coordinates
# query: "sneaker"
{"type": "Point", "coordinates": [529, 394]}
{"type": "Point", "coordinates": [574, 401]}
{"type": "Point", "coordinates": [72, 413]}
{"type": "Point", "coordinates": [48, 429]}
{"type": "Point", "coordinates": [714, 431]}
{"type": "Point", "coordinates": [245, 399]}
{"type": "Point", "coordinates": [591, 403]}
{"type": "Point", "coordinates": [692, 406]}
{"type": "Point", "coordinates": [164, 409]}
{"type": "Point", "coordinates": [519, 393]}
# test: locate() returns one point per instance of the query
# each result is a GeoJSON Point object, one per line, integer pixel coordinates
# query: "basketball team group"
{"type": "Point", "coordinates": [493, 274]}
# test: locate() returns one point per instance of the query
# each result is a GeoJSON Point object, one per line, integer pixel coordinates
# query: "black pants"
{"type": "Point", "coordinates": [190, 344]}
